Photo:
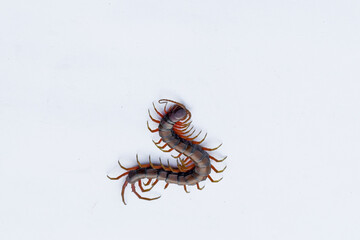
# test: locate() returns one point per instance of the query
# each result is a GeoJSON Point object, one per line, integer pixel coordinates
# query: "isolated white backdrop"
{"type": "Point", "coordinates": [276, 81]}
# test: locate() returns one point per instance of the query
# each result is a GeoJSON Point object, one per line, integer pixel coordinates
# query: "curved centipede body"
{"type": "Point", "coordinates": [194, 163]}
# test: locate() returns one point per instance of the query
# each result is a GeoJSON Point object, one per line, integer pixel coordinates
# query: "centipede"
{"type": "Point", "coordinates": [177, 133]}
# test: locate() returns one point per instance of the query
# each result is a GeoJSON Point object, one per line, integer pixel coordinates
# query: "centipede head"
{"type": "Point", "coordinates": [178, 113]}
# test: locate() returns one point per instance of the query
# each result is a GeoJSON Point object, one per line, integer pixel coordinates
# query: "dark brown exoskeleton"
{"type": "Point", "coordinates": [193, 161]}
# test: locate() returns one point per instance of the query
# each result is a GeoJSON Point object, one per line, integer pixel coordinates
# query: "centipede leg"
{"type": "Point", "coordinates": [141, 197]}
{"type": "Point", "coordinates": [137, 160]}
{"type": "Point", "coordinates": [117, 178]}
{"type": "Point", "coordinates": [198, 142]}
{"type": "Point", "coordinates": [186, 189]}
{"type": "Point", "coordinates": [166, 185]}
{"type": "Point", "coordinates": [215, 181]}
{"type": "Point", "coordinates": [123, 191]}
{"type": "Point", "coordinates": [146, 190]}
{"type": "Point", "coordinates": [217, 160]}
{"type": "Point", "coordinates": [162, 147]}
{"type": "Point", "coordinates": [153, 119]}
{"type": "Point", "coordinates": [158, 142]}
{"type": "Point", "coordinates": [198, 186]}
{"type": "Point", "coordinates": [148, 182]}
{"type": "Point", "coordinates": [152, 130]}
{"type": "Point", "coordinates": [193, 138]}
{"type": "Point", "coordinates": [154, 183]}
{"type": "Point", "coordinates": [127, 169]}
{"type": "Point", "coordinates": [211, 149]}
{"type": "Point", "coordinates": [217, 171]}
{"type": "Point", "coordinates": [177, 155]}
{"type": "Point", "coordinates": [157, 111]}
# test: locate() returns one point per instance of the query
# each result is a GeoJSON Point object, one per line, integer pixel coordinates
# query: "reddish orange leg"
{"type": "Point", "coordinates": [186, 189]}
{"type": "Point", "coordinates": [217, 160]}
{"type": "Point", "coordinates": [211, 149]}
{"type": "Point", "coordinates": [214, 180]}
{"type": "Point", "coordinates": [158, 142]}
{"type": "Point", "coordinates": [198, 142]}
{"type": "Point", "coordinates": [123, 191]}
{"type": "Point", "coordinates": [152, 165]}
{"type": "Point", "coordinates": [177, 155]}
{"type": "Point", "coordinates": [148, 182]}
{"type": "Point", "coordinates": [166, 185]}
{"type": "Point", "coordinates": [117, 178]}
{"type": "Point", "coordinates": [157, 121]}
{"type": "Point", "coordinates": [190, 167]}
{"type": "Point", "coordinates": [188, 131]}
{"type": "Point", "coordinates": [162, 165]}
{"type": "Point", "coordinates": [181, 167]}
{"type": "Point", "coordinates": [162, 147]}
{"type": "Point", "coordinates": [169, 150]}
{"type": "Point", "coordinates": [171, 169]}
{"type": "Point", "coordinates": [156, 181]}
{"type": "Point", "coordinates": [140, 197]}
{"type": "Point", "coordinates": [188, 136]}
{"type": "Point", "coordinates": [145, 190]}
{"type": "Point", "coordinates": [157, 111]}
{"type": "Point", "coordinates": [217, 171]}
{"type": "Point", "coordinates": [152, 130]}
{"type": "Point", "coordinates": [198, 186]}
{"type": "Point", "coordinates": [127, 169]}
{"type": "Point", "coordinates": [193, 138]}
{"type": "Point", "coordinates": [137, 160]}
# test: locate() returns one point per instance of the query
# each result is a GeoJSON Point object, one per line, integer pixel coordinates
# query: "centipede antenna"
{"type": "Point", "coordinates": [198, 186]}
{"type": "Point", "coordinates": [165, 111]}
{"type": "Point", "coordinates": [215, 181]}
{"type": "Point", "coordinates": [151, 130]}
{"type": "Point", "coordinates": [217, 160]}
{"type": "Point", "coordinates": [211, 149]}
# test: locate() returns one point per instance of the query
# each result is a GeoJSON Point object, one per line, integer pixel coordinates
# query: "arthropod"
{"type": "Point", "coordinates": [194, 163]}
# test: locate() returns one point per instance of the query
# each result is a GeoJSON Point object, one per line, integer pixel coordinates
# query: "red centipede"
{"type": "Point", "coordinates": [194, 163]}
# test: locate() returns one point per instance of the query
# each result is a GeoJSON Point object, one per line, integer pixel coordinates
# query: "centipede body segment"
{"type": "Point", "coordinates": [194, 163]}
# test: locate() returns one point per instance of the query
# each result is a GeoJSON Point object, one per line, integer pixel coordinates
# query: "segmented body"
{"type": "Point", "coordinates": [193, 168]}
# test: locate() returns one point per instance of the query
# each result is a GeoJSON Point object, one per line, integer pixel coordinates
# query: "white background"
{"type": "Point", "coordinates": [276, 81]}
